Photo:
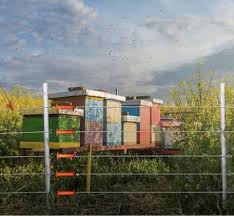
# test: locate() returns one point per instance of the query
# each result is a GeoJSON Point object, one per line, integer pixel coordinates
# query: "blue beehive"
{"type": "Point", "coordinates": [94, 110]}
{"type": "Point", "coordinates": [113, 135]}
{"type": "Point", "coordinates": [113, 121]}
{"type": "Point", "coordinates": [102, 115]}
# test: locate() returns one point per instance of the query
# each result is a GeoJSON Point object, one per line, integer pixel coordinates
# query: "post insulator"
{"type": "Point", "coordinates": [62, 132]}
{"type": "Point", "coordinates": [65, 174]}
{"type": "Point", "coordinates": [66, 193]}
{"type": "Point", "coordinates": [63, 155]}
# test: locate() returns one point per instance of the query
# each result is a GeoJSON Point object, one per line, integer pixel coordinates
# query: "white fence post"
{"type": "Point", "coordinates": [223, 143]}
{"type": "Point", "coordinates": [46, 142]}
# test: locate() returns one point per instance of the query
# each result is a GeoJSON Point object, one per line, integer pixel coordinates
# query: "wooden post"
{"type": "Point", "coordinates": [89, 169]}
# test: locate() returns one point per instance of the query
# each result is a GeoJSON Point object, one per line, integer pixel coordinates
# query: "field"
{"type": "Point", "coordinates": [132, 183]}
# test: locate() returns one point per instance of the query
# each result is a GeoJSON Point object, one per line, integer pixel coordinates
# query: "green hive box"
{"type": "Point", "coordinates": [58, 120]}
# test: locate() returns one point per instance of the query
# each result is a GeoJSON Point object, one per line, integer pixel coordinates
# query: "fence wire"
{"type": "Point", "coordinates": [21, 156]}
{"type": "Point", "coordinates": [124, 156]}
{"type": "Point", "coordinates": [153, 156]}
{"type": "Point", "coordinates": [120, 174]}
{"type": "Point", "coordinates": [22, 192]}
{"type": "Point", "coordinates": [119, 107]}
{"type": "Point", "coordinates": [105, 131]}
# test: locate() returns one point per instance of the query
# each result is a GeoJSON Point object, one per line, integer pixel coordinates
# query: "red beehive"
{"type": "Point", "coordinates": [145, 125]}
{"type": "Point", "coordinates": [155, 111]}
{"type": "Point", "coordinates": [149, 112]}
{"type": "Point", "coordinates": [140, 108]}
{"type": "Point", "coordinates": [156, 137]}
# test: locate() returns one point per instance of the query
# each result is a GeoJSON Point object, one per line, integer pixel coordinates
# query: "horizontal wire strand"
{"type": "Point", "coordinates": [21, 132]}
{"type": "Point", "coordinates": [154, 192]}
{"type": "Point", "coordinates": [122, 192]}
{"type": "Point", "coordinates": [121, 107]}
{"type": "Point", "coordinates": [145, 106]}
{"type": "Point", "coordinates": [156, 174]}
{"type": "Point", "coordinates": [23, 192]}
{"type": "Point", "coordinates": [152, 156]}
{"type": "Point", "coordinates": [167, 131]}
{"type": "Point", "coordinates": [122, 156]}
{"type": "Point", "coordinates": [124, 174]}
{"type": "Point", "coordinates": [104, 131]}
{"type": "Point", "coordinates": [20, 174]}
{"type": "Point", "coordinates": [22, 156]}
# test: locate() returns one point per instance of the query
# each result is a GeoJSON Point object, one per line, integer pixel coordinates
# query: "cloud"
{"type": "Point", "coordinates": [158, 45]}
{"type": "Point", "coordinates": [45, 22]}
{"type": "Point", "coordinates": [80, 7]}
{"type": "Point", "coordinates": [220, 63]}
{"type": "Point", "coordinates": [190, 36]}
{"type": "Point", "coordinates": [32, 71]}
{"type": "Point", "coordinates": [60, 44]}
{"type": "Point", "coordinates": [63, 72]}
{"type": "Point", "coordinates": [165, 44]}
{"type": "Point", "coordinates": [15, 43]}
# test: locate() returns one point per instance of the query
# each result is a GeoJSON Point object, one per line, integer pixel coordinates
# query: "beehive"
{"type": "Point", "coordinates": [169, 135]}
{"type": "Point", "coordinates": [156, 135]}
{"type": "Point", "coordinates": [149, 112]}
{"type": "Point", "coordinates": [33, 126]}
{"type": "Point", "coordinates": [155, 122]}
{"type": "Point", "coordinates": [130, 129]}
{"type": "Point", "coordinates": [95, 123]}
{"type": "Point", "coordinates": [142, 109]}
{"type": "Point", "coordinates": [112, 123]}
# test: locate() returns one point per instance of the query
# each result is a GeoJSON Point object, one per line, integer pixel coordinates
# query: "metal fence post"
{"type": "Point", "coordinates": [223, 143]}
{"type": "Point", "coordinates": [46, 142]}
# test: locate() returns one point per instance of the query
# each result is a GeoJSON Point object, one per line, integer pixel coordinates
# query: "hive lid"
{"type": "Point", "coordinates": [75, 112]}
{"type": "Point", "coordinates": [137, 102]}
{"type": "Point", "coordinates": [87, 92]}
{"type": "Point", "coordinates": [157, 101]}
{"type": "Point", "coordinates": [145, 98]}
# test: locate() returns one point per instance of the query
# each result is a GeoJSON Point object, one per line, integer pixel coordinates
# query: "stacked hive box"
{"type": "Point", "coordinates": [58, 120]}
{"type": "Point", "coordinates": [149, 112]}
{"type": "Point", "coordinates": [112, 123]}
{"type": "Point", "coordinates": [95, 118]}
{"type": "Point", "coordinates": [169, 135]}
{"type": "Point", "coordinates": [92, 122]}
{"type": "Point", "coordinates": [142, 109]}
{"type": "Point", "coordinates": [156, 135]}
{"type": "Point", "coordinates": [130, 129]}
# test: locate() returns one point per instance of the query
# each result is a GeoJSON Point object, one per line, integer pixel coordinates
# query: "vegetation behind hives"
{"type": "Point", "coordinates": [11, 121]}
{"type": "Point", "coordinates": [198, 92]}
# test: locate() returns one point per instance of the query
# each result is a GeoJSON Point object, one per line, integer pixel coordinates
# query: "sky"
{"type": "Point", "coordinates": [141, 47]}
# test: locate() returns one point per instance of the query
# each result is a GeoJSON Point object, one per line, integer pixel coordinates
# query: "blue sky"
{"type": "Point", "coordinates": [141, 47]}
